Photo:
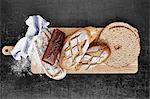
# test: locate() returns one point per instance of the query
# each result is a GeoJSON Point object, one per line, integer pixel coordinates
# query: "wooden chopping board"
{"type": "Point", "coordinates": [99, 69]}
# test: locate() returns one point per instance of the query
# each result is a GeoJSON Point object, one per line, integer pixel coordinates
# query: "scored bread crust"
{"type": "Point", "coordinates": [40, 43]}
{"type": "Point", "coordinates": [90, 33]}
{"type": "Point", "coordinates": [95, 55]}
{"type": "Point", "coordinates": [124, 43]}
{"type": "Point", "coordinates": [68, 58]}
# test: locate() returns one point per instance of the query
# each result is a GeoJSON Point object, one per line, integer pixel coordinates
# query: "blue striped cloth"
{"type": "Point", "coordinates": [23, 47]}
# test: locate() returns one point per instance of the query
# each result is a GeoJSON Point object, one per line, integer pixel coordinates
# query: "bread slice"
{"type": "Point", "coordinates": [124, 43]}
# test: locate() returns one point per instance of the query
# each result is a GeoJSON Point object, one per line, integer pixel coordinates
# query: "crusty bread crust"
{"type": "Point", "coordinates": [95, 55]}
{"type": "Point", "coordinates": [124, 43]}
{"type": "Point", "coordinates": [63, 60]}
{"type": "Point", "coordinates": [91, 32]}
{"type": "Point", "coordinates": [94, 33]}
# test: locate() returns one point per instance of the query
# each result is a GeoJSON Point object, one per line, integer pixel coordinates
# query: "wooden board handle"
{"type": "Point", "coordinates": [7, 49]}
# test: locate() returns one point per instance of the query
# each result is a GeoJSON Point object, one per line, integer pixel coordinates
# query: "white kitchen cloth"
{"type": "Point", "coordinates": [23, 47]}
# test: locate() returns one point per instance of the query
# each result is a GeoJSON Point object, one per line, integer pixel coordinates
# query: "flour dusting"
{"type": "Point", "coordinates": [21, 67]}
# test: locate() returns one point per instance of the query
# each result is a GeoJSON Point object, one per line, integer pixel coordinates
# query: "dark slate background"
{"type": "Point", "coordinates": [71, 13]}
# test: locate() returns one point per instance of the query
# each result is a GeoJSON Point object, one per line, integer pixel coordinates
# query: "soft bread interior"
{"type": "Point", "coordinates": [124, 44]}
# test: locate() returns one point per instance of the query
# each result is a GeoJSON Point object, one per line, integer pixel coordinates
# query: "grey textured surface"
{"type": "Point", "coordinates": [74, 13]}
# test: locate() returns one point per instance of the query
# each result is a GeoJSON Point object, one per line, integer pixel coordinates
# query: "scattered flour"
{"type": "Point", "coordinates": [21, 67]}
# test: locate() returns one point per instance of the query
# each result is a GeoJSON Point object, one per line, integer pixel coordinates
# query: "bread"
{"type": "Point", "coordinates": [54, 47]}
{"type": "Point", "coordinates": [124, 43]}
{"type": "Point", "coordinates": [75, 46]}
{"type": "Point", "coordinates": [40, 43]}
{"type": "Point", "coordinates": [94, 56]}
{"type": "Point", "coordinates": [94, 33]}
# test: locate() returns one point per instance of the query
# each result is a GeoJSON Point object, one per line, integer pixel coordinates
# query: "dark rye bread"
{"type": "Point", "coordinates": [124, 43]}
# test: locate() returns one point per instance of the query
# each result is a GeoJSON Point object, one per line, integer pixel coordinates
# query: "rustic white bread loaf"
{"type": "Point", "coordinates": [75, 46]}
{"type": "Point", "coordinates": [94, 56]}
{"type": "Point", "coordinates": [40, 43]}
{"type": "Point", "coordinates": [124, 43]}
